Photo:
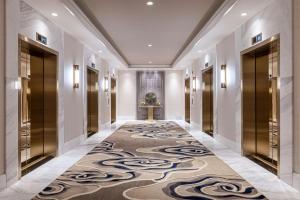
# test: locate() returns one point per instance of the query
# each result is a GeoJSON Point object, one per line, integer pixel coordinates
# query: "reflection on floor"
{"type": "Point", "coordinates": [157, 160]}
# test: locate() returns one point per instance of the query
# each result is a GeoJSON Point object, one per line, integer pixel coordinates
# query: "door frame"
{"type": "Point", "coordinates": [242, 53]}
{"type": "Point", "coordinates": [185, 111]}
{"type": "Point", "coordinates": [212, 98]}
{"type": "Point", "coordinates": [22, 38]}
{"type": "Point", "coordinates": [114, 79]}
{"type": "Point", "coordinates": [86, 94]}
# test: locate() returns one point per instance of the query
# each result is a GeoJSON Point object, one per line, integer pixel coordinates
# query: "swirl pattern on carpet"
{"type": "Point", "coordinates": [143, 160]}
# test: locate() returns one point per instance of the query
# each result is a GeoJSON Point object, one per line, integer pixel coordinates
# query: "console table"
{"type": "Point", "coordinates": [150, 111]}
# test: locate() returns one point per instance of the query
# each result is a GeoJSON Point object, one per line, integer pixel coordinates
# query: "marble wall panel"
{"type": "Point", "coordinates": [274, 19]}
{"type": "Point", "coordinates": [148, 81]}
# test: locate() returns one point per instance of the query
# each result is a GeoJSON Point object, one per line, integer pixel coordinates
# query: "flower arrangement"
{"type": "Point", "coordinates": [150, 100]}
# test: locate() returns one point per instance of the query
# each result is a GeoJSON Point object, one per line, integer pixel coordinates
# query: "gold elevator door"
{"type": "Point", "coordinates": [38, 106]}
{"type": "Point", "coordinates": [92, 101]}
{"type": "Point", "coordinates": [260, 105]}
{"type": "Point", "coordinates": [113, 91]}
{"type": "Point", "coordinates": [187, 100]}
{"type": "Point", "coordinates": [207, 101]}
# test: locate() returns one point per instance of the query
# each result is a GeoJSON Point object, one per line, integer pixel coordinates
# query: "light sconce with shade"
{"type": "Point", "coordinates": [106, 84]}
{"type": "Point", "coordinates": [18, 84]}
{"type": "Point", "coordinates": [194, 83]}
{"type": "Point", "coordinates": [223, 76]}
{"type": "Point", "coordinates": [113, 72]}
{"type": "Point", "coordinates": [76, 77]}
{"type": "Point", "coordinates": [186, 72]}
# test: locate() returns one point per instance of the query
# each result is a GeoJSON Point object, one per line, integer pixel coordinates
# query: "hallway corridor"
{"type": "Point", "coordinates": [149, 99]}
{"type": "Point", "coordinates": [137, 162]}
{"type": "Point", "coordinates": [156, 160]}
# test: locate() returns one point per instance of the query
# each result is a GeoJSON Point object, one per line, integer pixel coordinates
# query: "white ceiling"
{"type": "Point", "coordinates": [224, 22]}
{"type": "Point", "coordinates": [218, 26]}
{"type": "Point", "coordinates": [74, 22]}
{"type": "Point", "coordinates": [130, 25]}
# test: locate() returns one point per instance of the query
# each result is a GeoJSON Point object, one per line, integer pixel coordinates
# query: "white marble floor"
{"type": "Point", "coordinates": [266, 182]}
{"type": "Point", "coordinates": [263, 180]}
{"type": "Point", "coordinates": [32, 183]}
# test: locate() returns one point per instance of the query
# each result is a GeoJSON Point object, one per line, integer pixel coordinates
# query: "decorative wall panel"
{"type": "Point", "coordinates": [150, 82]}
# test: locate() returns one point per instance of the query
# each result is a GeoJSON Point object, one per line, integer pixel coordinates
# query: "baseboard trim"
{"type": "Point", "coordinates": [105, 126]}
{"type": "Point", "coordinates": [296, 181]}
{"type": "Point", "coordinates": [229, 143]}
{"type": "Point", "coordinates": [12, 181]}
{"type": "Point", "coordinates": [195, 125]}
{"type": "Point", "coordinates": [123, 118]}
{"type": "Point", "coordinates": [2, 181]}
{"type": "Point", "coordinates": [73, 143]}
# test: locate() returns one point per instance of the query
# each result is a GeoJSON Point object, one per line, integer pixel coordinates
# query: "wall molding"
{"type": "Point", "coordinates": [296, 181]}
{"type": "Point", "coordinates": [73, 143]}
{"type": "Point", "coordinates": [2, 181]}
{"type": "Point", "coordinates": [195, 125]}
{"type": "Point", "coordinates": [229, 143]}
{"type": "Point", "coordinates": [105, 125]}
{"type": "Point", "coordinates": [124, 118]}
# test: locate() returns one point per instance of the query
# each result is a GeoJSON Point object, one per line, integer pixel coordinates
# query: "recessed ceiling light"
{"type": "Point", "coordinates": [244, 14]}
{"type": "Point", "coordinates": [150, 45]}
{"type": "Point", "coordinates": [150, 3]}
{"type": "Point", "coordinates": [100, 51]}
{"type": "Point", "coordinates": [199, 51]}
{"type": "Point", "coordinates": [54, 14]}
{"type": "Point", "coordinates": [150, 62]}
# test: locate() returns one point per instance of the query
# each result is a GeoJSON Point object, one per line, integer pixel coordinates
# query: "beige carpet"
{"type": "Point", "coordinates": [158, 160]}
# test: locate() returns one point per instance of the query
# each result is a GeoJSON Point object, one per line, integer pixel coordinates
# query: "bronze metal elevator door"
{"type": "Point", "coordinates": [38, 105]}
{"type": "Point", "coordinates": [92, 101]}
{"type": "Point", "coordinates": [260, 105]}
{"type": "Point", "coordinates": [187, 100]}
{"type": "Point", "coordinates": [113, 90]}
{"type": "Point", "coordinates": [207, 101]}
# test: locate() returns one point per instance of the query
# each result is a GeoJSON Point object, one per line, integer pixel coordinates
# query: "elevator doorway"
{"type": "Point", "coordinates": [187, 100]}
{"type": "Point", "coordinates": [207, 101]}
{"type": "Point", "coordinates": [37, 104]}
{"type": "Point", "coordinates": [113, 84]}
{"type": "Point", "coordinates": [92, 101]}
{"type": "Point", "coordinates": [260, 105]}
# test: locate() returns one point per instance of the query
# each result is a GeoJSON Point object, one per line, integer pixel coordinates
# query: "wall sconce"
{"type": "Point", "coordinates": [106, 84]}
{"type": "Point", "coordinates": [194, 83]}
{"type": "Point", "coordinates": [223, 76]}
{"type": "Point", "coordinates": [186, 72]}
{"type": "Point", "coordinates": [18, 84]}
{"type": "Point", "coordinates": [76, 78]}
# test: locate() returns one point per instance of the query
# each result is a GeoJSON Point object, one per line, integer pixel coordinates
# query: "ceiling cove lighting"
{"type": "Point", "coordinates": [54, 14]}
{"type": "Point", "coordinates": [230, 8]}
{"type": "Point", "coordinates": [76, 78]}
{"type": "Point", "coordinates": [244, 14]}
{"type": "Point", "coordinates": [68, 9]}
{"type": "Point", "coordinates": [223, 76]}
{"type": "Point", "coordinates": [150, 3]}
